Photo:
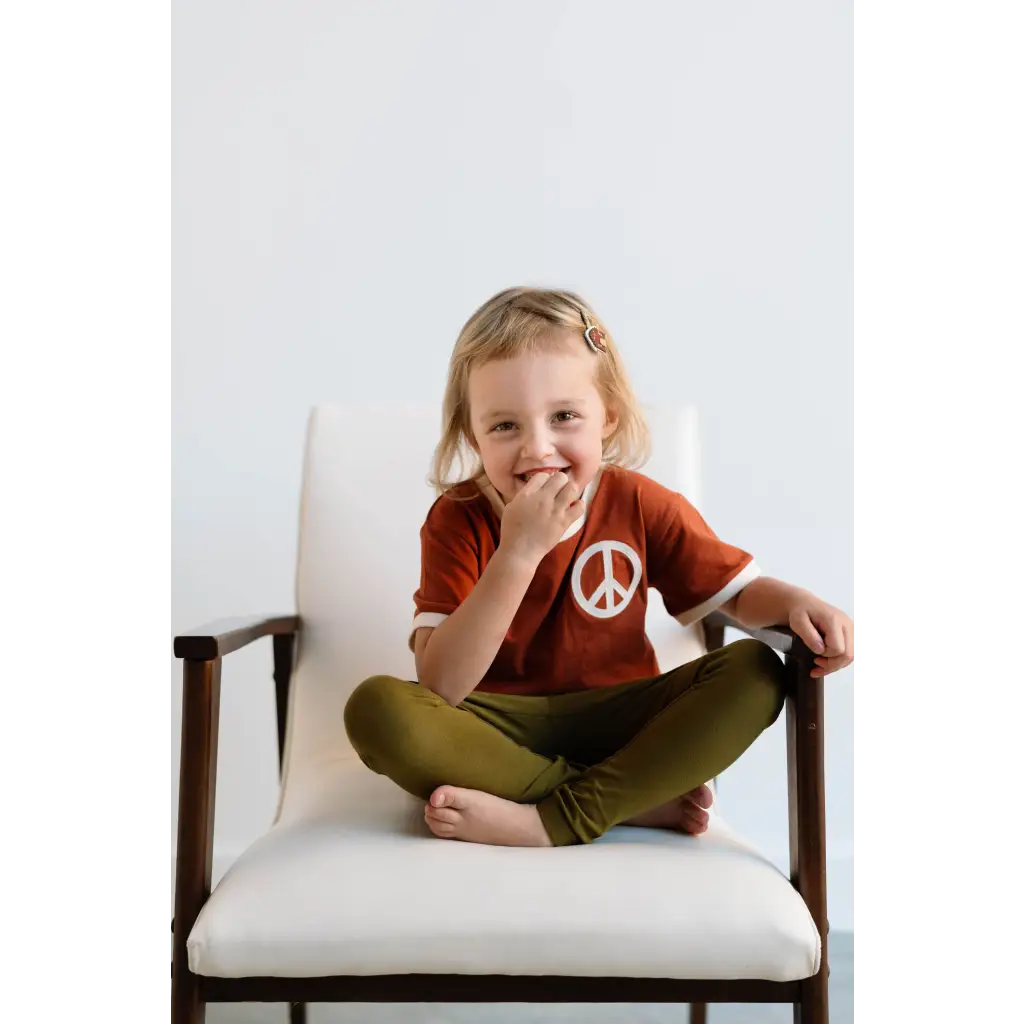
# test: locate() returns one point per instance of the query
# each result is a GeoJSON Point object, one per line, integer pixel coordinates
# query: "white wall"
{"type": "Point", "coordinates": [351, 180]}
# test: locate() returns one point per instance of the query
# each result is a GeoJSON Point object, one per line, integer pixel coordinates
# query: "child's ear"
{"type": "Point", "coordinates": [611, 422]}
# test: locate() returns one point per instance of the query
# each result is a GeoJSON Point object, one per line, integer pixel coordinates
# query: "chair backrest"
{"type": "Point", "coordinates": [364, 498]}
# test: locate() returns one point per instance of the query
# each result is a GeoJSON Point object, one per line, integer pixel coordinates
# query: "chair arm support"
{"type": "Point", "coordinates": [779, 638]}
{"type": "Point", "coordinates": [202, 650]}
{"type": "Point", "coordinates": [216, 639]}
{"type": "Point", "coordinates": [805, 768]}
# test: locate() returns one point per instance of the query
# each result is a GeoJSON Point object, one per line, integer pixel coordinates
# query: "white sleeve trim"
{"type": "Point", "coordinates": [429, 619]}
{"type": "Point", "coordinates": [746, 575]}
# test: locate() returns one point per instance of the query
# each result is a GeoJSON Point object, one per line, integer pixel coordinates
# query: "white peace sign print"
{"type": "Point", "coordinates": [609, 587]}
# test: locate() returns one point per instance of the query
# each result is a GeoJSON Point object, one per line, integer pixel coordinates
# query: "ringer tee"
{"type": "Point", "coordinates": [581, 624]}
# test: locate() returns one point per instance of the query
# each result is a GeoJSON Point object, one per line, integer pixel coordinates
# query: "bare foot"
{"type": "Point", "coordinates": [477, 817]}
{"type": "Point", "coordinates": [686, 813]}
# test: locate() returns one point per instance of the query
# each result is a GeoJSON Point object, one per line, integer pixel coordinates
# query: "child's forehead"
{"type": "Point", "coordinates": [532, 374]}
{"type": "Point", "coordinates": [555, 350]}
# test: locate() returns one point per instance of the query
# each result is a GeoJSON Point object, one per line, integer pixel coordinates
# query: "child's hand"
{"type": "Point", "coordinates": [811, 619]}
{"type": "Point", "coordinates": [535, 519]}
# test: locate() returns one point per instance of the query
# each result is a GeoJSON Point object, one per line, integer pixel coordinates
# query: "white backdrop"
{"type": "Point", "coordinates": [352, 180]}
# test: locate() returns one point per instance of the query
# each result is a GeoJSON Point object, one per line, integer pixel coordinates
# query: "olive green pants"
{"type": "Point", "coordinates": [589, 759]}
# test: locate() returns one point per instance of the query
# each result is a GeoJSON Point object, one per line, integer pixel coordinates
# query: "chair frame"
{"type": "Point", "coordinates": [202, 651]}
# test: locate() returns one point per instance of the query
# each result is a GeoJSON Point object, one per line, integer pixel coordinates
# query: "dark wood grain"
{"type": "Point", "coordinates": [196, 806]}
{"type": "Point", "coordinates": [714, 633]}
{"type": "Point", "coordinates": [216, 639]}
{"type": "Point", "coordinates": [493, 988]}
{"type": "Point", "coordinates": [284, 657]}
{"type": "Point", "coordinates": [805, 755]}
{"type": "Point", "coordinates": [698, 1013]}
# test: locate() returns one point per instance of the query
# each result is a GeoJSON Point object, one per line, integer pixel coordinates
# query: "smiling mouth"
{"type": "Point", "coordinates": [549, 470]}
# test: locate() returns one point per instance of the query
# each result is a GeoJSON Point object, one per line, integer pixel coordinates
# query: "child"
{"type": "Point", "coordinates": [541, 716]}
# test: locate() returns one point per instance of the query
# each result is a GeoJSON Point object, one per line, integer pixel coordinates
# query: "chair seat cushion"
{"type": "Point", "coordinates": [350, 881]}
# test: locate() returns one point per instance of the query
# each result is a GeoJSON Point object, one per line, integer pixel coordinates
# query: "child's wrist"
{"type": "Point", "coordinates": [517, 561]}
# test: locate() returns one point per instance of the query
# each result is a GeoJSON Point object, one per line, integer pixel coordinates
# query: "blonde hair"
{"type": "Point", "coordinates": [513, 322]}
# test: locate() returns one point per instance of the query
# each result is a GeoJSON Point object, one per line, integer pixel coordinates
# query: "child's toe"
{"type": "Point", "coordinates": [442, 829]}
{"type": "Point", "coordinates": [443, 796]}
{"type": "Point", "coordinates": [443, 814]}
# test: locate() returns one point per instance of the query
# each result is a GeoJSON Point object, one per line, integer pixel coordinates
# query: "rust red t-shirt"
{"type": "Point", "coordinates": [581, 623]}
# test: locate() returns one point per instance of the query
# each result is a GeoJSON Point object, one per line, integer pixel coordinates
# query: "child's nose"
{"type": "Point", "coordinates": [537, 444]}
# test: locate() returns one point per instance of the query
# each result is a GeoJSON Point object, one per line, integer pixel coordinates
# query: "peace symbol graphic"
{"type": "Point", "coordinates": [609, 587]}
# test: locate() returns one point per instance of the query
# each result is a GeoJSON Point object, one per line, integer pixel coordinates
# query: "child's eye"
{"type": "Point", "coordinates": [567, 413]}
{"type": "Point", "coordinates": [500, 427]}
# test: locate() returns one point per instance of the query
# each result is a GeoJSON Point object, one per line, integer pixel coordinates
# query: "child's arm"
{"type": "Point", "coordinates": [452, 658]}
{"type": "Point", "coordinates": [770, 602]}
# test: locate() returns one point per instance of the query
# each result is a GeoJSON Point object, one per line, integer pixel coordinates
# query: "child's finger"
{"type": "Point", "coordinates": [567, 495]}
{"type": "Point", "coordinates": [804, 628]}
{"type": "Point", "coordinates": [535, 483]}
{"type": "Point", "coordinates": [829, 665]}
{"type": "Point", "coordinates": [574, 510]}
{"type": "Point", "coordinates": [834, 641]}
{"type": "Point", "coordinates": [555, 481]}
{"type": "Point", "coordinates": [826, 669]}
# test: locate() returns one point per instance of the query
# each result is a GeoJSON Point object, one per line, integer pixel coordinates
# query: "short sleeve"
{"type": "Point", "coordinates": [449, 563]}
{"type": "Point", "coordinates": [694, 571]}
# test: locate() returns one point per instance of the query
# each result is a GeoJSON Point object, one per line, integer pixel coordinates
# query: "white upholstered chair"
{"type": "Point", "coordinates": [348, 896]}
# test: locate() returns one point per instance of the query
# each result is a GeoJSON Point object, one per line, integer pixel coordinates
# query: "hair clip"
{"type": "Point", "coordinates": [594, 337]}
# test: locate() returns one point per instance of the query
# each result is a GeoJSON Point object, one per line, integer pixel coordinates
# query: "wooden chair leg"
{"type": "Point", "coordinates": [813, 1005]}
{"type": "Point", "coordinates": [284, 660]}
{"type": "Point", "coordinates": [698, 1013]}
{"type": "Point", "coordinates": [196, 801]}
{"type": "Point", "coordinates": [805, 747]}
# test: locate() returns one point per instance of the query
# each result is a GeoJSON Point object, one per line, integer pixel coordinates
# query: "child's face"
{"type": "Point", "coordinates": [538, 412]}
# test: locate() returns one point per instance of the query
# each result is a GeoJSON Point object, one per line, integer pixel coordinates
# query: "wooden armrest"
{"type": "Point", "coordinates": [779, 638]}
{"type": "Point", "coordinates": [216, 639]}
